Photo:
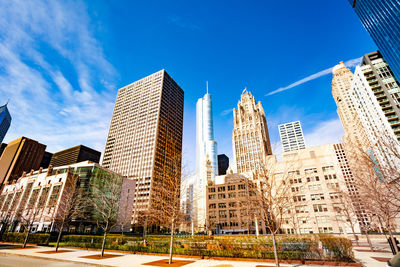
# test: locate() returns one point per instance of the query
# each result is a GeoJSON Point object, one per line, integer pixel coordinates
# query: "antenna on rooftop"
{"type": "Point", "coordinates": [207, 86]}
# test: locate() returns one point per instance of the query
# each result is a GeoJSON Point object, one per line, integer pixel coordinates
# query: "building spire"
{"type": "Point", "coordinates": [244, 90]}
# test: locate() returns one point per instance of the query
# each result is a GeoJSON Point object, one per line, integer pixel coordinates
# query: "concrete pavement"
{"type": "Point", "coordinates": [134, 260]}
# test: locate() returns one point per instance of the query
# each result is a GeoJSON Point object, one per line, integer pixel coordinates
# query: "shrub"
{"type": "Point", "coordinates": [39, 239]}
{"type": "Point", "coordinates": [290, 247]}
{"type": "Point", "coordinates": [337, 248]}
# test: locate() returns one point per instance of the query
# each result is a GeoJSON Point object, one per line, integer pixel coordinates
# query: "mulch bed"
{"type": "Point", "coordinates": [54, 252]}
{"type": "Point", "coordinates": [368, 250]}
{"type": "Point", "coordinates": [381, 259]}
{"type": "Point", "coordinates": [162, 263]}
{"type": "Point", "coordinates": [99, 257]}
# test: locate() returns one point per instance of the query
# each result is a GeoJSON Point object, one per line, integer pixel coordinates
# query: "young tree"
{"type": "Point", "coordinates": [164, 204]}
{"type": "Point", "coordinates": [103, 199]}
{"type": "Point", "coordinates": [347, 208]}
{"type": "Point", "coordinates": [378, 178]}
{"type": "Point", "coordinates": [71, 205]}
{"type": "Point", "coordinates": [273, 198]}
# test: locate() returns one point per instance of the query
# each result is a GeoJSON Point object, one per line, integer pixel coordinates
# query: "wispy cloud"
{"type": "Point", "coordinates": [57, 105]}
{"type": "Point", "coordinates": [349, 63]}
{"type": "Point", "coordinates": [180, 22]}
{"type": "Point", "coordinates": [226, 112]}
{"type": "Point", "coordinates": [326, 132]}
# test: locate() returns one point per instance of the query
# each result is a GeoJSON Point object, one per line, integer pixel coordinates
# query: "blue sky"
{"type": "Point", "coordinates": [62, 62]}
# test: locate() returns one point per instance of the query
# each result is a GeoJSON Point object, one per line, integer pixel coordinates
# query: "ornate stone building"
{"type": "Point", "coordinates": [250, 136]}
{"type": "Point", "coordinates": [355, 134]}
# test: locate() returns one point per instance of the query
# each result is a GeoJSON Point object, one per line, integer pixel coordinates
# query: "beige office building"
{"type": "Point", "coordinates": [145, 138]}
{"type": "Point", "coordinates": [319, 176]}
{"type": "Point", "coordinates": [250, 136]}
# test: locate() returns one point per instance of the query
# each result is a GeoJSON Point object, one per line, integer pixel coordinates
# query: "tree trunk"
{"type": "Point", "coordinates": [369, 241]}
{"type": "Point", "coordinates": [59, 235]}
{"type": "Point", "coordinates": [393, 241]}
{"type": "Point", "coordinates": [256, 222]}
{"type": "Point", "coordinates": [354, 234]}
{"type": "Point", "coordinates": [27, 236]}
{"type": "Point", "coordinates": [104, 240]}
{"type": "Point", "coordinates": [145, 230]}
{"type": "Point", "coordinates": [275, 249]}
{"type": "Point", "coordinates": [172, 241]}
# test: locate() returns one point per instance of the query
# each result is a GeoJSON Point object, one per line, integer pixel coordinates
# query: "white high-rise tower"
{"type": "Point", "coordinates": [206, 156]}
{"type": "Point", "coordinates": [292, 137]}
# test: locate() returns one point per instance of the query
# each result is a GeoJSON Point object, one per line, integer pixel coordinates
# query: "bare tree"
{"type": "Point", "coordinates": [273, 199]}
{"type": "Point", "coordinates": [104, 198]}
{"type": "Point", "coordinates": [164, 204]}
{"type": "Point", "coordinates": [346, 208]}
{"type": "Point", "coordinates": [378, 178]}
{"type": "Point", "coordinates": [71, 205]}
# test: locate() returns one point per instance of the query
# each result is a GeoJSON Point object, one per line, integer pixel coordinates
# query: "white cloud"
{"type": "Point", "coordinates": [49, 102]}
{"type": "Point", "coordinates": [350, 63]}
{"type": "Point", "coordinates": [226, 112]}
{"type": "Point", "coordinates": [326, 132]}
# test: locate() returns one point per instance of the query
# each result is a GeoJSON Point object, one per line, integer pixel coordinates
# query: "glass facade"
{"type": "Point", "coordinates": [382, 21]}
{"type": "Point", "coordinates": [5, 121]}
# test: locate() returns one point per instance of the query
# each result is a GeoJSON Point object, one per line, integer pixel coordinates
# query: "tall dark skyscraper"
{"type": "Point", "coordinates": [22, 154]}
{"type": "Point", "coordinates": [223, 164]}
{"type": "Point", "coordinates": [74, 155]}
{"type": "Point", "coordinates": [145, 138]}
{"type": "Point", "coordinates": [2, 147]}
{"type": "Point", "coordinates": [5, 121]}
{"type": "Point", "coordinates": [382, 21]}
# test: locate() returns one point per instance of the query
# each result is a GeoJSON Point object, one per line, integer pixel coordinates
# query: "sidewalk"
{"type": "Point", "coordinates": [379, 257]}
{"type": "Point", "coordinates": [122, 259]}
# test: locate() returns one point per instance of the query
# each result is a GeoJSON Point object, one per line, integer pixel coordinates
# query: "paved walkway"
{"type": "Point", "coordinates": [74, 255]}
{"type": "Point", "coordinates": [369, 258]}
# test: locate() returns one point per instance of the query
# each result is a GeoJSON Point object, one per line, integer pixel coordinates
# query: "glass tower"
{"type": "Point", "coordinates": [382, 21]}
{"type": "Point", "coordinates": [5, 121]}
{"type": "Point", "coordinates": [206, 147]}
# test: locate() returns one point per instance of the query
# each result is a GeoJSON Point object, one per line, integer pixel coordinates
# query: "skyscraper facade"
{"type": "Point", "coordinates": [378, 93]}
{"type": "Point", "coordinates": [250, 135]}
{"type": "Point", "coordinates": [5, 121]}
{"type": "Point", "coordinates": [206, 157]}
{"type": "Point", "coordinates": [355, 134]}
{"type": "Point", "coordinates": [382, 21]}
{"type": "Point", "coordinates": [145, 137]}
{"type": "Point", "coordinates": [223, 164]}
{"type": "Point", "coordinates": [20, 155]}
{"type": "Point", "coordinates": [74, 155]}
{"type": "Point", "coordinates": [206, 146]}
{"type": "Point", "coordinates": [292, 137]}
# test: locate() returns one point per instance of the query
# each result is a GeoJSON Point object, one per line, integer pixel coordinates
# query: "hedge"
{"type": "Point", "coordinates": [39, 239]}
{"type": "Point", "coordinates": [302, 247]}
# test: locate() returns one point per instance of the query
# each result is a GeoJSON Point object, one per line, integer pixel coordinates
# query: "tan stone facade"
{"type": "Point", "coordinates": [229, 208]}
{"type": "Point", "coordinates": [250, 135]}
{"type": "Point", "coordinates": [319, 176]}
{"type": "Point", "coordinates": [355, 134]}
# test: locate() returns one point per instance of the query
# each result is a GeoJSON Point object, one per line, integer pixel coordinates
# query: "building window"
{"type": "Point", "coordinates": [320, 207]}
{"type": "Point", "coordinates": [222, 213]}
